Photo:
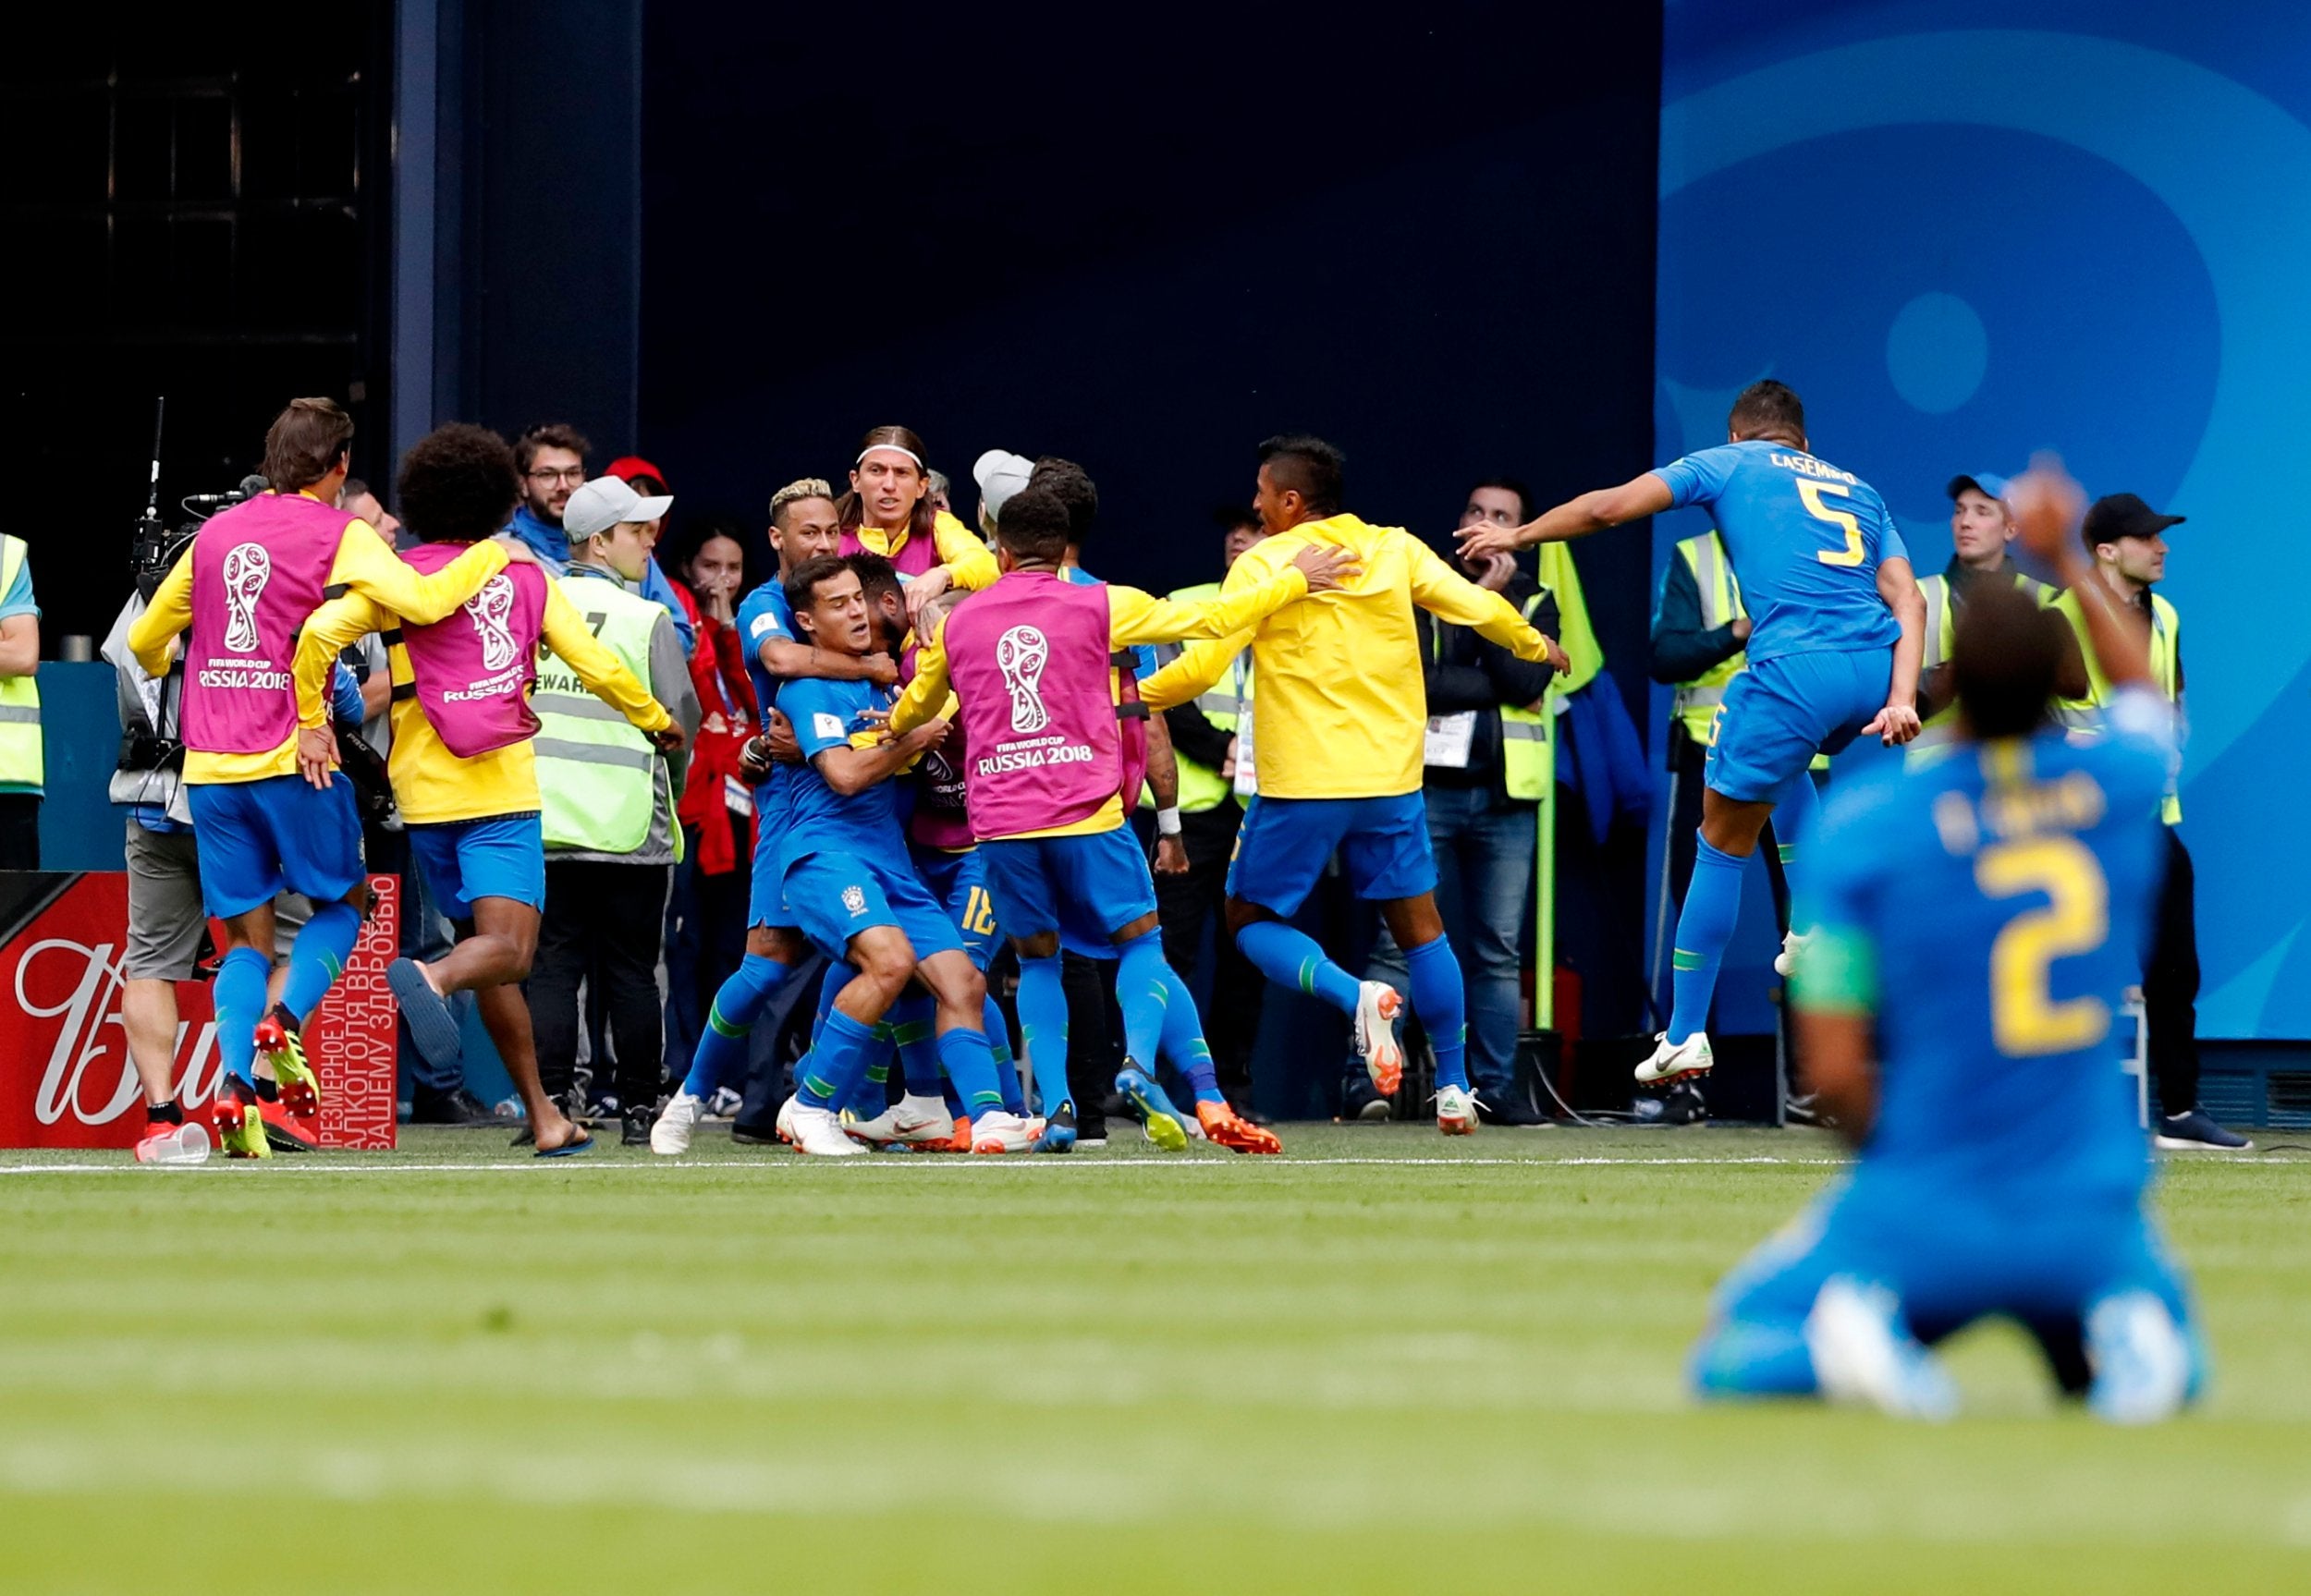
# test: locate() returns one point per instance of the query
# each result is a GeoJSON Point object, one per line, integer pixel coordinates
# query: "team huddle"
{"type": "Point", "coordinates": [957, 729]}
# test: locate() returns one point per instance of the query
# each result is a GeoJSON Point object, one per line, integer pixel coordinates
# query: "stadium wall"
{"type": "Point", "coordinates": [1964, 231]}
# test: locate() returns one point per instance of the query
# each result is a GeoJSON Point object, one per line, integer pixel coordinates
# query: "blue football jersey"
{"type": "Point", "coordinates": [763, 617]}
{"type": "Point", "coordinates": [819, 819]}
{"type": "Point", "coordinates": [1990, 907]}
{"type": "Point", "coordinates": [1806, 540]}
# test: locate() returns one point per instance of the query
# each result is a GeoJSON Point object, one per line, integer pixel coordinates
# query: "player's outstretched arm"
{"type": "Point", "coordinates": [1898, 721]}
{"type": "Point", "coordinates": [1577, 518]}
{"type": "Point", "coordinates": [604, 672]}
{"type": "Point", "coordinates": [152, 634]}
{"type": "Point", "coordinates": [1447, 594]}
{"type": "Point", "coordinates": [850, 770]}
{"type": "Point", "coordinates": [2049, 507]}
{"type": "Point", "coordinates": [366, 566]}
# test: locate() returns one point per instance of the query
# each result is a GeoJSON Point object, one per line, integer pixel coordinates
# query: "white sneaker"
{"type": "Point", "coordinates": [1862, 1356]}
{"type": "Point", "coordinates": [1456, 1111]}
{"type": "Point", "coordinates": [670, 1137]}
{"type": "Point", "coordinates": [1377, 1006]}
{"type": "Point", "coordinates": [816, 1131]}
{"type": "Point", "coordinates": [911, 1121]}
{"type": "Point", "coordinates": [2141, 1358]}
{"type": "Point", "coordinates": [1792, 949]}
{"type": "Point", "coordinates": [1000, 1132]}
{"type": "Point", "coordinates": [1691, 1056]}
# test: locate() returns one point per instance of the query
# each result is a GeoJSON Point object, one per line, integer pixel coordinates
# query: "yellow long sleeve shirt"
{"type": "Point", "coordinates": [363, 564]}
{"type": "Point", "coordinates": [433, 786]}
{"type": "Point", "coordinates": [965, 557]}
{"type": "Point", "coordinates": [1133, 618]}
{"type": "Point", "coordinates": [1341, 712]}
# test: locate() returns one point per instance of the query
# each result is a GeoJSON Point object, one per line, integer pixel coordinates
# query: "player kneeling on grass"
{"type": "Point", "coordinates": [464, 771]}
{"type": "Point", "coordinates": [2001, 1169]}
{"type": "Point", "coordinates": [846, 877]}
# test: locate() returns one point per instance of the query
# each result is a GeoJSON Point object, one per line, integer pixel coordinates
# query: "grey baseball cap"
{"type": "Point", "coordinates": [604, 503]}
{"type": "Point", "coordinates": [999, 474]}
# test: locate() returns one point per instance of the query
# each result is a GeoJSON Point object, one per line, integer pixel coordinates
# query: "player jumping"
{"type": "Point", "coordinates": [1337, 737]}
{"type": "Point", "coordinates": [2001, 1169]}
{"type": "Point", "coordinates": [1837, 629]}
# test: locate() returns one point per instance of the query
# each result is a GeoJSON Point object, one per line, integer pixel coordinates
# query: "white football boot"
{"type": "Point", "coordinates": [816, 1131]}
{"type": "Point", "coordinates": [999, 1133]}
{"type": "Point", "coordinates": [1377, 1006]}
{"type": "Point", "coordinates": [670, 1137]}
{"type": "Point", "coordinates": [1456, 1111]}
{"type": "Point", "coordinates": [1689, 1057]}
{"type": "Point", "coordinates": [910, 1122]}
{"type": "Point", "coordinates": [1861, 1354]}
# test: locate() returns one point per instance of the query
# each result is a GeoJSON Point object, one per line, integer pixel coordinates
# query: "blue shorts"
{"type": "Point", "coordinates": [959, 880]}
{"type": "Point", "coordinates": [1778, 715]}
{"type": "Point", "coordinates": [1086, 888]}
{"type": "Point", "coordinates": [766, 887]}
{"type": "Point", "coordinates": [502, 856]}
{"type": "Point", "coordinates": [1951, 1258]}
{"type": "Point", "coordinates": [837, 896]}
{"type": "Point", "coordinates": [1285, 844]}
{"type": "Point", "coordinates": [259, 839]}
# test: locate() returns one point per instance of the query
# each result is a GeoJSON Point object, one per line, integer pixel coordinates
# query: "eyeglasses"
{"type": "Point", "coordinates": [568, 474]}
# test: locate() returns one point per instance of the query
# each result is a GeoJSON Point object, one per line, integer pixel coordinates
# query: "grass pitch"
{"type": "Point", "coordinates": [1382, 1362]}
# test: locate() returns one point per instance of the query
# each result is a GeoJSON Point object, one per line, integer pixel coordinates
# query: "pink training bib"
{"type": "Point", "coordinates": [1030, 661]}
{"type": "Point", "coordinates": [941, 818]}
{"type": "Point", "coordinates": [259, 569]}
{"type": "Point", "coordinates": [916, 555]}
{"type": "Point", "coordinates": [474, 668]}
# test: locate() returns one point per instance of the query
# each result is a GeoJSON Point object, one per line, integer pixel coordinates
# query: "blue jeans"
{"type": "Point", "coordinates": [1483, 846]}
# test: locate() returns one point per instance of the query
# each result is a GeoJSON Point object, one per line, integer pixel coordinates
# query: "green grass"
{"type": "Point", "coordinates": [1418, 1366]}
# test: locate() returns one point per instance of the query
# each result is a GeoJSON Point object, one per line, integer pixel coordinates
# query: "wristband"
{"type": "Point", "coordinates": [1168, 822]}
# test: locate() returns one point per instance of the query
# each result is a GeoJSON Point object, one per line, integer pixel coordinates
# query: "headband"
{"type": "Point", "coordinates": [896, 449]}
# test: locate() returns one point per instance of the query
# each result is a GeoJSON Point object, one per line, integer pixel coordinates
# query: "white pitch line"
{"type": "Point", "coordinates": [572, 1165]}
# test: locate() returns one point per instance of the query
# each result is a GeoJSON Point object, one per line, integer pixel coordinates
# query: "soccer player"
{"type": "Point", "coordinates": [1336, 740]}
{"type": "Point", "coordinates": [256, 572]}
{"type": "Point", "coordinates": [1836, 625]}
{"type": "Point", "coordinates": [845, 875]}
{"type": "Point", "coordinates": [1030, 659]}
{"type": "Point", "coordinates": [2001, 1170]}
{"type": "Point", "coordinates": [804, 525]}
{"type": "Point", "coordinates": [464, 772]}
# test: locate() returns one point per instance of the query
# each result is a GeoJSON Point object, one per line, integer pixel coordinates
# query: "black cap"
{"type": "Point", "coordinates": [2120, 516]}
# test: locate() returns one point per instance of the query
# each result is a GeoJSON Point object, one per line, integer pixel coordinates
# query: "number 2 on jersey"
{"type": "Point", "coordinates": [2025, 1021]}
{"type": "Point", "coordinates": [1851, 553]}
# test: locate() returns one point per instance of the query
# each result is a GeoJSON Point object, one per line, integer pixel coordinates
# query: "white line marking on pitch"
{"type": "Point", "coordinates": [549, 1166]}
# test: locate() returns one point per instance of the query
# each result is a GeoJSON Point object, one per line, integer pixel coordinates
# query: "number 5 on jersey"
{"type": "Point", "coordinates": [1810, 492]}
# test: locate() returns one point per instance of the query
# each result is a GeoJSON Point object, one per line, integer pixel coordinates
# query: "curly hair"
{"type": "Point", "coordinates": [1036, 524]}
{"type": "Point", "coordinates": [458, 484]}
{"type": "Point", "coordinates": [1073, 486]}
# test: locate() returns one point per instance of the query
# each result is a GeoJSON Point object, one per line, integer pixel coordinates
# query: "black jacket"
{"type": "Point", "coordinates": [1464, 671]}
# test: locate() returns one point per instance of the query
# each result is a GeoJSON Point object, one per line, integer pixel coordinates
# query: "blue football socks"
{"type": "Point", "coordinates": [1713, 905]}
{"type": "Point", "coordinates": [844, 1051]}
{"type": "Point", "coordinates": [721, 1053]}
{"type": "Point", "coordinates": [238, 992]}
{"type": "Point", "coordinates": [971, 1065]}
{"type": "Point", "coordinates": [1183, 1045]}
{"type": "Point", "coordinates": [913, 1019]}
{"type": "Point", "coordinates": [1441, 1002]}
{"type": "Point", "coordinates": [1292, 958]}
{"type": "Point", "coordinates": [1042, 1024]}
{"type": "Point", "coordinates": [1141, 992]}
{"type": "Point", "coordinates": [1006, 1066]}
{"type": "Point", "coordinates": [1793, 819]}
{"type": "Point", "coordinates": [319, 956]}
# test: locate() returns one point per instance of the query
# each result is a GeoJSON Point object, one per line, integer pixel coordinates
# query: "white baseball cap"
{"type": "Point", "coordinates": [999, 474]}
{"type": "Point", "coordinates": [604, 503]}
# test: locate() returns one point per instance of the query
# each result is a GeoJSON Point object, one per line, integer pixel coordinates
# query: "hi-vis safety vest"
{"type": "Point", "coordinates": [1696, 702]}
{"type": "Point", "coordinates": [22, 760]}
{"type": "Point", "coordinates": [1226, 704]}
{"type": "Point", "coordinates": [1556, 574]}
{"type": "Point", "coordinates": [597, 776]}
{"type": "Point", "coordinates": [1528, 763]}
{"type": "Point", "coordinates": [2084, 715]}
{"type": "Point", "coordinates": [1942, 633]}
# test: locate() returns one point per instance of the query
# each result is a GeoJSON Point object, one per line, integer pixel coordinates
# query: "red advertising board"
{"type": "Point", "coordinates": [64, 1075]}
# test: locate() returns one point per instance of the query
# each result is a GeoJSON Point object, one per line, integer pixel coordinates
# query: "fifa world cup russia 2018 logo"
{"type": "Point", "coordinates": [1019, 655]}
{"type": "Point", "coordinates": [247, 569]}
{"type": "Point", "coordinates": [492, 610]}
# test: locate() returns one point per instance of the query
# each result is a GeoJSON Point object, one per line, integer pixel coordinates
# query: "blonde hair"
{"type": "Point", "coordinates": [800, 488]}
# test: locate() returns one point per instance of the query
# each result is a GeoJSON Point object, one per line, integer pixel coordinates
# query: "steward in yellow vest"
{"type": "Point", "coordinates": [1980, 528]}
